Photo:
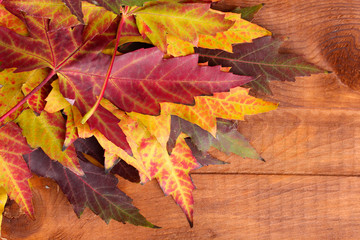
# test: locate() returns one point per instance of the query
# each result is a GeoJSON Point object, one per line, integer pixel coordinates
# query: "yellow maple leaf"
{"type": "Point", "coordinates": [241, 32]}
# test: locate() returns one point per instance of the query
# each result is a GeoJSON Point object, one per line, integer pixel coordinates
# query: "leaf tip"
{"type": "Point", "coordinates": [191, 223]}
{"type": "Point", "coordinates": [154, 226]}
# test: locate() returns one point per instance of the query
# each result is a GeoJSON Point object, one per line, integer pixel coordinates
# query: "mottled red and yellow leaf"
{"type": "Point", "coordinates": [10, 91]}
{"type": "Point", "coordinates": [233, 105]}
{"type": "Point", "coordinates": [12, 22]}
{"type": "Point", "coordinates": [158, 126]}
{"type": "Point", "coordinates": [185, 21]}
{"type": "Point", "coordinates": [55, 101]}
{"type": "Point", "coordinates": [71, 131]}
{"type": "Point", "coordinates": [241, 32]}
{"type": "Point", "coordinates": [48, 132]}
{"type": "Point", "coordinates": [55, 10]}
{"type": "Point", "coordinates": [172, 172]}
{"type": "Point", "coordinates": [174, 177]}
{"type": "Point", "coordinates": [37, 101]}
{"type": "Point", "coordinates": [14, 173]}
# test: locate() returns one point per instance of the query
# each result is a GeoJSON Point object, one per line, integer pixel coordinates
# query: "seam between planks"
{"type": "Point", "coordinates": [277, 174]}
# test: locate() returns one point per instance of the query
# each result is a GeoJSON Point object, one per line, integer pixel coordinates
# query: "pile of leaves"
{"type": "Point", "coordinates": [136, 88]}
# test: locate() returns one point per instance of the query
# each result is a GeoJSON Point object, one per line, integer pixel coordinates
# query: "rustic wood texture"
{"type": "Point", "coordinates": [309, 187]}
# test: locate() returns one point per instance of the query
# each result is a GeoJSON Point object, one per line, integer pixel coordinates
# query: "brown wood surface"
{"type": "Point", "coordinates": [309, 187]}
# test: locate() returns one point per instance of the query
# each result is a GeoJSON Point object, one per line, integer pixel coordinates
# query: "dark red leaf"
{"type": "Point", "coordinates": [260, 59]}
{"type": "Point", "coordinates": [95, 189]}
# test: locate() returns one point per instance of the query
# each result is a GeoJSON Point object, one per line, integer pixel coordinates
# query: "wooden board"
{"type": "Point", "coordinates": [309, 187]}
{"type": "Point", "coordinates": [230, 206]}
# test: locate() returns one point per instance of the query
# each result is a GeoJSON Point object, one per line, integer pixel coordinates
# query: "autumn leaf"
{"type": "Point", "coordinates": [241, 32]}
{"type": "Point", "coordinates": [171, 80]}
{"type": "Point", "coordinates": [114, 5]}
{"type": "Point", "coordinates": [14, 173]}
{"type": "Point", "coordinates": [10, 91]}
{"type": "Point", "coordinates": [55, 101]}
{"type": "Point", "coordinates": [130, 31]}
{"type": "Point", "coordinates": [10, 21]}
{"type": "Point", "coordinates": [48, 132]}
{"type": "Point", "coordinates": [75, 8]}
{"type": "Point", "coordinates": [38, 52]}
{"type": "Point", "coordinates": [228, 139]}
{"type": "Point", "coordinates": [55, 10]}
{"type": "Point", "coordinates": [174, 178]}
{"type": "Point", "coordinates": [233, 105]}
{"type": "Point", "coordinates": [171, 171]}
{"type": "Point", "coordinates": [37, 101]}
{"type": "Point", "coordinates": [260, 59]}
{"type": "Point", "coordinates": [71, 133]}
{"type": "Point", "coordinates": [94, 189]}
{"type": "Point", "coordinates": [184, 21]}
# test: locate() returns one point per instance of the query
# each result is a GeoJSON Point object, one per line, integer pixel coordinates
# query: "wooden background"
{"type": "Point", "coordinates": [309, 187]}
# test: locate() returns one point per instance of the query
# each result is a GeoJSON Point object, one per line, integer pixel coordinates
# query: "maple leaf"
{"type": "Point", "coordinates": [171, 171]}
{"type": "Point", "coordinates": [10, 91]}
{"type": "Point", "coordinates": [172, 80]}
{"type": "Point", "coordinates": [241, 32]}
{"type": "Point", "coordinates": [38, 52]}
{"type": "Point", "coordinates": [14, 173]}
{"type": "Point", "coordinates": [48, 132]}
{"type": "Point", "coordinates": [228, 139]}
{"type": "Point", "coordinates": [260, 59]}
{"type": "Point", "coordinates": [185, 21]}
{"type": "Point", "coordinates": [174, 178]}
{"type": "Point", "coordinates": [37, 101]}
{"type": "Point", "coordinates": [232, 105]}
{"type": "Point", "coordinates": [94, 189]}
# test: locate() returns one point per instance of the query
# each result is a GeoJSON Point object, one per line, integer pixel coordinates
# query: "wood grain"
{"type": "Point", "coordinates": [307, 189]}
{"type": "Point", "coordinates": [316, 130]}
{"type": "Point", "coordinates": [226, 207]}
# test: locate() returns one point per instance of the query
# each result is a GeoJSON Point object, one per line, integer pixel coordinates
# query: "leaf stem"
{"type": "Point", "coordinates": [19, 104]}
{"type": "Point", "coordinates": [102, 92]}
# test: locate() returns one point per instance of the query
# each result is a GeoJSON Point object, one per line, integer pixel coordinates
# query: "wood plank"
{"type": "Point", "coordinates": [315, 131]}
{"type": "Point", "coordinates": [226, 207]}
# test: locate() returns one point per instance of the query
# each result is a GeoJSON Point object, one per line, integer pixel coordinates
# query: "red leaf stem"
{"type": "Point", "coordinates": [102, 92]}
